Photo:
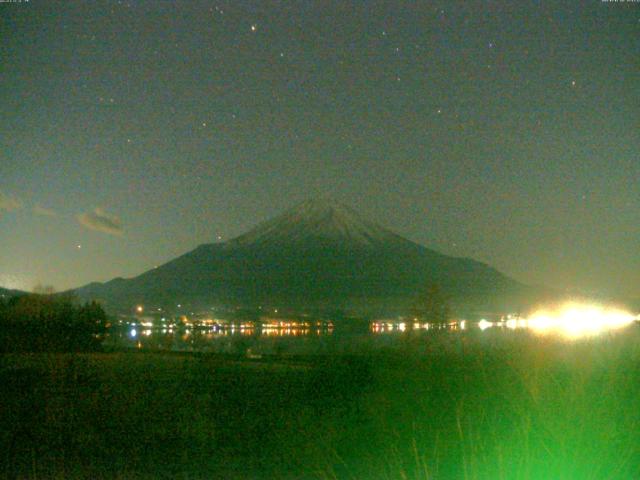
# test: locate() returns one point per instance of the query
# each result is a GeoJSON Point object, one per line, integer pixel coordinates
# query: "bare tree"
{"type": "Point", "coordinates": [433, 305]}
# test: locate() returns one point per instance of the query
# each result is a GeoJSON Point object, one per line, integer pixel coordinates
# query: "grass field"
{"type": "Point", "coordinates": [503, 405]}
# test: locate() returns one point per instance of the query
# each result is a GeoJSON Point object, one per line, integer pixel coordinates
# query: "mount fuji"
{"type": "Point", "coordinates": [320, 255]}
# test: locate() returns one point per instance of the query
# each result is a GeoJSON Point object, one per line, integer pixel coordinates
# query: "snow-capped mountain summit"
{"type": "Point", "coordinates": [318, 255]}
{"type": "Point", "coordinates": [318, 219]}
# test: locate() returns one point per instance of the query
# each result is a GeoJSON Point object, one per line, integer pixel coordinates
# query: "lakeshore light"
{"type": "Point", "coordinates": [511, 323]}
{"type": "Point", "coordinates": [575, 320]}
{"type": "Point", "coordinates": [483, 324]}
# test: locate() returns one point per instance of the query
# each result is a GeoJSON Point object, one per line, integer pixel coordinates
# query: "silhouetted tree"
{"type": "Point", "coordinates": [44, 289]}
{"type": "Point", "coordinates": [433, 305]}
{"type": "Point", "coordinates": [49, 323]}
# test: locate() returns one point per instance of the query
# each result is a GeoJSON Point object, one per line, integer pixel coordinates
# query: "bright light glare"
{"type": "Point", "coordinates": [574, 320]}
{"type": "Point", "coordinates": [511, 323]}
{"type": "Point", "coordinates": [483, 324]}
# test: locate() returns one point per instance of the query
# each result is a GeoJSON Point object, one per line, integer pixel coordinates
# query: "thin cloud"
{"type": "Point", "coordinates": [101, 221]}
{"type": "Point", "coordinates": [45, 212]}
{"type": "Point", "coordinates": [9, 203]}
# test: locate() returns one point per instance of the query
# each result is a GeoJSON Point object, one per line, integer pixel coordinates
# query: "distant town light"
{"type": "Point", "coordinates": [139, 309]}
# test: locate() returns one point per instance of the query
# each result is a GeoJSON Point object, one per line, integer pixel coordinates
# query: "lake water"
{"type": "Point", "coordinates": [326, 338]}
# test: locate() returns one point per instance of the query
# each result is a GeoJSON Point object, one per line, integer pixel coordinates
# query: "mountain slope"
{"type": "Point", "coordinates": [6, 293]}
{"type": "Point", "coordinates": [319, 254]}
{"type": "Point", "coordinates": [317, 220]}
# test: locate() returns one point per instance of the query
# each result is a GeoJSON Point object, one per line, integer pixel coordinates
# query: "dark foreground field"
{"type": "Point", "coordinates": [498, 406]}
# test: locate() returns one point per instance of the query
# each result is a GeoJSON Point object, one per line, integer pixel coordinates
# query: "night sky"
{"type": "Point", "coordinates": [508, 132]}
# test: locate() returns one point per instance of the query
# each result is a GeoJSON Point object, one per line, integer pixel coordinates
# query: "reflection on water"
{"type": "Point", "coordinates": [388, 326]}
{"type": "Point", "coordinates": [271, 338]}
{"type": "Point", "coordinates": [569, 321]}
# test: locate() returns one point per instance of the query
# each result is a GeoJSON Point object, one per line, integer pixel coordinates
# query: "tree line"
{"type": "Point", "coordinates": [50, 323]}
